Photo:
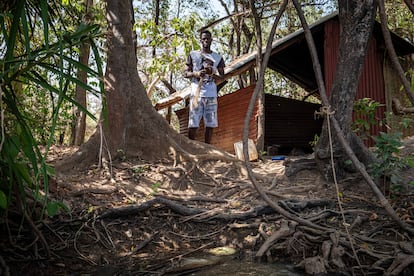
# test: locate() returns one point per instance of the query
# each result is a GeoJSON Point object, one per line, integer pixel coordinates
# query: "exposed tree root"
{"type": "Point", "coordinates": [401, 262]}
{"type": "Point", "coordinates": [4, 269]}
{"type": "Point", "coordinates": [329, 247]}
{"type": "Point", "coordinates": [228, 206]}
{"type": "Point", "coordinates": [294, 166]}
{"type": "Point", "coordinates": [195, 213]}
{"type": "Point", "coordinates": [268, 233]}
{"type": "Point", "coordinates": [285, 230]}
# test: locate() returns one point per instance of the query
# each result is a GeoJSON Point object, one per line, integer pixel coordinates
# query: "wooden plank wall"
{"type": "Point", "coordinates": [290, 123]}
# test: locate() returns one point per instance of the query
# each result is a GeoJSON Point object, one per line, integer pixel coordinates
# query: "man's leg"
{"type": "Point", "coordinates": [210, 118]}
{"type": "Point", "coordinates": [192, 133]}
{"type": "Point", "coordinates": [208, 134]}
{"type": "Point", "coordinates": [194, 118]}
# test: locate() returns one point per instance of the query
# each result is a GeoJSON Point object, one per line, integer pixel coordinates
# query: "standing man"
{"type": "Point", "coordinates": [203, 67]}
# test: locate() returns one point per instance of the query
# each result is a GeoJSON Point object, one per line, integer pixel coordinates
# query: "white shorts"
{"type": "Point", "coordinates": [206, 109]}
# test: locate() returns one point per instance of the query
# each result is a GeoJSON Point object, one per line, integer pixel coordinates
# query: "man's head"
{"type": "Point", "coordinates": [206, 39]}
{"type": "Point", "coordinates": [206, 32]}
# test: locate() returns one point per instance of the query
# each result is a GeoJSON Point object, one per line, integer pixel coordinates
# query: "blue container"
{"type": "Point", "coordinates": [279, 157]}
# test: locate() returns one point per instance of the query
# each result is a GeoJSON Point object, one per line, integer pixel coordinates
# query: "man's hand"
{"type": "Point", "coordinates": [208, 70]}
{"type": "Point", "coordinates": [200, 73]}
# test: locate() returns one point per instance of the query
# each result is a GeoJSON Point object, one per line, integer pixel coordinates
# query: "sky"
{"type": "Point", "coordinates": [215, 4]}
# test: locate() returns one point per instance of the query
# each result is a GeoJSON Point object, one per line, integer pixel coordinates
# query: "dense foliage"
{"type": "Point", "coordinates": [38, 73]}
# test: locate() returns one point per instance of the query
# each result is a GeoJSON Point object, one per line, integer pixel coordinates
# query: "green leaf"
{"type": "Point", "coordinates": [12, 145]}
{"type": "Point", "coordinates": [3, 200]}
{"type": "Point", "coordinates": [42, 82]}
{"type": "Point", "coordinates": [11, 42]}
{"type": "Point", "coordinates": [54, 207]}
{"type": "Point", "coordinates": [44, 7]}
{"type": "Point", "coordinates": [410, 162]}
{"type": "Point", "coordinates": [22, 171]}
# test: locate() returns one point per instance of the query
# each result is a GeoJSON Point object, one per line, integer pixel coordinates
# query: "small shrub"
{"type": "Point", "coordinates": [387, 150]}
{"type": "Point", "coordinates": [365, 109]}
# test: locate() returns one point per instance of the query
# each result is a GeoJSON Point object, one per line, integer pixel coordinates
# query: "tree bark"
{"type": "Point", "coordinates": [131, 126]}
{"type": "Point", "coordinates": [134, 128]}
{"type": "Point", "coordinates": [79, 130]}
{"type": "Point", "coordinates": [79, 117]}
{"type": "Point", "coordinates": [356, 25]}
{"type": "Point", "coordinates": [259, 65]}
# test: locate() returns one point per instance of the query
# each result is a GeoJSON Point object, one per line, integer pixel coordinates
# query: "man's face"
{"type": "Point", "coordinates": [205, 40]}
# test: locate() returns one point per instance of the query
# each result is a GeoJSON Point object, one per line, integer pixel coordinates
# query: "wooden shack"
{"type": "Point", "coordinates": [291, 123]}
{"type": "Point", "coordinates": [288, 124]}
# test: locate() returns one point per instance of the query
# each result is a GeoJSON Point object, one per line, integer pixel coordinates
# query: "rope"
{"type": "Point", "coordinates": [327, 110]}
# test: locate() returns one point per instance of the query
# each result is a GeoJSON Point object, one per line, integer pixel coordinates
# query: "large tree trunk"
{"type": "Point", "coordinates": [356, 25]}
{"type": "Point", "coordinates": [131, 126]}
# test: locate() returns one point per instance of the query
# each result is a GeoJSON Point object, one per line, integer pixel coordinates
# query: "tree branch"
{"type": "Point", "coordinates": [410, 5]}
{"type": "Point", "coordinates": [398, 109]}
{"type": "Point", "coordinates": [392, 53]}
{"type": "Point", "coordinates": [274, 204]}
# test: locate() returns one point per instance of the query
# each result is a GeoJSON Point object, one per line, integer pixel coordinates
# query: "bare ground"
{"type": "Point", "coordinates": [138, 218]}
